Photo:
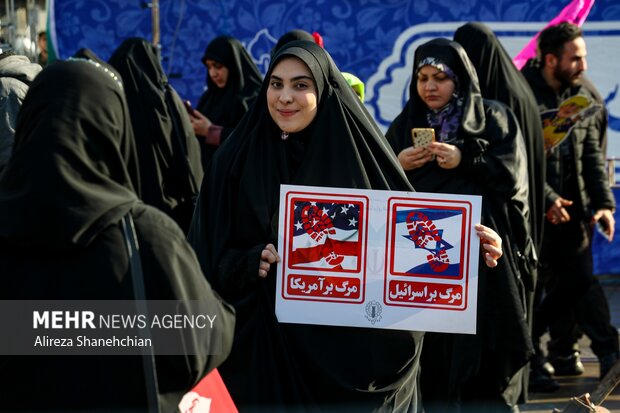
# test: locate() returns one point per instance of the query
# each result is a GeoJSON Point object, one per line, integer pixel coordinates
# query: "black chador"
{"type": "Point", "coordinates": [291, 367]}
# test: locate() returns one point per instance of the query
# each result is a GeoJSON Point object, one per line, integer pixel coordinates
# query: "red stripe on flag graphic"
{"type": "Point", "coordinates": [332, 250]}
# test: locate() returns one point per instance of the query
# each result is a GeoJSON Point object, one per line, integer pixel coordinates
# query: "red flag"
{"type": "Point", "coordinates": [209, 396]}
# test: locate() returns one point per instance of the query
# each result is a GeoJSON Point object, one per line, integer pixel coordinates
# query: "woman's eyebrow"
{"type": "Point", "coordinates": [302, 77]}
{"type": "Point", "coordinates": [293, 79]}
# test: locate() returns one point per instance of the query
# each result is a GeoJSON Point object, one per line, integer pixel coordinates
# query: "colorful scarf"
{"type": "Point", "coordinates": [447, 119]}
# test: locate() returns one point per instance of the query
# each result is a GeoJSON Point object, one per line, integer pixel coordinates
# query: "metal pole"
{"type": "Point", "coordinates": [12, 24]}
{"type": "Point", "coordinates": [155, 21]}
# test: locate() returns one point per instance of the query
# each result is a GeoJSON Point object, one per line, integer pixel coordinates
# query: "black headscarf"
{"type": "Point", "coordinates": [168, 153]}
{"type": "Point", "coordinates": [415, 115]}
{"type": "Point", "coordinates": [501, 80]}
{"type": "Point", "coordinates": [225, 106]}
{"type": "Point", "coordinates": [292, 36]}
{"type": "Point", "coordinates": [83, 194]}
{"type": "Point", "coordinates": [88, 54]}
{"type": "Point", "coordinates": [493, 164]}
{"type": "Point", "coordinates": [237, 216]}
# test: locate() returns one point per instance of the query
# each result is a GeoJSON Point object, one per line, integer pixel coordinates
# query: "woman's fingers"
{"type": "Point", "coordinates": [448, 156]}
{"type": "Point", "coordinates": [263, 269]}
{"type": "Point", "coordinates": [412, 158]}
{"type": "Point", "coordinates": [269, 255]}
{"type": "Point", "coordinates": [490, 261]}
{"type": "Point", "coordinates": [493, 251]}
{"type": "Point", "coordinates": [491, 245]}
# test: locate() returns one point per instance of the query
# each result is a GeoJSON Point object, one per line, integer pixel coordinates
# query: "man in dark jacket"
{"type": "Point", "coordinates": [577, 196]}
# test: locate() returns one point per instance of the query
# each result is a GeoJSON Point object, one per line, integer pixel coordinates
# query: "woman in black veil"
{"type": "Point", "coordinates": [307, 127]}
{"type": "Point", "coordinates": [501, 80]}
{"type": "Point", "coordinates": [168, 154]}
{"type": "Point", "coordinates": [62, 197]}
{"type": "Point", "coordinates": [478, 152]}
{"type": "Point", "coordinates": [233, 80]}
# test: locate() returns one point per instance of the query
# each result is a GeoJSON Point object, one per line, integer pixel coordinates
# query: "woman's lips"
{"type": "Point", "coordinates": [287, 113]}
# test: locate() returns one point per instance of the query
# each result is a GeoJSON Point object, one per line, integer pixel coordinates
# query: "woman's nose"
{"type": "Point", "coordinates": [286, 95]}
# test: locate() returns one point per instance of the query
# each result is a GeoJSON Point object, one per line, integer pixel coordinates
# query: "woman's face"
{"type": "Point", "coordinates": [435, 87]}
{"type": "Point", "coordinates": [217, 72]}
{"type": "Point", "coordinates": [292, 95]}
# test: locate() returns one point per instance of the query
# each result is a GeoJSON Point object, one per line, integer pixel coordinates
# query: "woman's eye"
{"type": "Point", "coordinates": [301, 86]}
{"type": "Point", "coordinates": [275, 84]}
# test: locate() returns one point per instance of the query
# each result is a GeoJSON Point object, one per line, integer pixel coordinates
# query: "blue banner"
{"type": "Point", "coordinates": [373, 39]}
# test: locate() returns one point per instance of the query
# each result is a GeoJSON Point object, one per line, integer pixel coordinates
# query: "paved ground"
{"type": "Point", "coordinates": [578, 385]}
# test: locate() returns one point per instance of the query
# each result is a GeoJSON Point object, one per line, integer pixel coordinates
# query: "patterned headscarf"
{"type": "Point", "coordinates": [448, 118]}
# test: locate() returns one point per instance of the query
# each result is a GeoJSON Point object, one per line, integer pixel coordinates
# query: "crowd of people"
{"type": "Point", "coordinates": [96, 144]}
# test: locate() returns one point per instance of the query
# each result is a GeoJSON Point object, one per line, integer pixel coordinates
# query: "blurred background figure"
{"type": "Point", "coordinates": [16, 74]}
{"type": "Point", "coordinates": [167, 150]}
{"type": "Point", "coordinates": [297, 34]}
{"type": "Point", "coordinates": [577, 198]}
{"type": "Point", "coordinates": [356, 84]}
{"type": "Point", "coordinates": [42, 46]}
{"type": "Point", "coordinates": [500, 80]}
{"type": "Point", "coordinates": [233, 81]}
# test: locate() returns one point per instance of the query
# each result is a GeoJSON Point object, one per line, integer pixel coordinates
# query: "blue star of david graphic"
{"type": "Point", "coordinates": [440, 244]}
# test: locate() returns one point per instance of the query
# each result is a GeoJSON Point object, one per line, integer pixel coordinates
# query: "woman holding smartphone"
{"type": "Point", "coordinates": [233, 81]}
{"type": "Point", "coordinates": [478, 151]}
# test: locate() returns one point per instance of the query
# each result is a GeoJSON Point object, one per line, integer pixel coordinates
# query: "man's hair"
{"type": "Point", "coordinates": [41, 34]}
{"type": "Point", "coordinates": [553, 38]}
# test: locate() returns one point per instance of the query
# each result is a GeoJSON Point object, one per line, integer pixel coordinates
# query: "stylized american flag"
{"type": "Point", "coordinates": [326, 234]}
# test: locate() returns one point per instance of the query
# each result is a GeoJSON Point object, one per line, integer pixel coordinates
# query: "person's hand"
{"type": "Point", "coordinates": [200, 123]}
{"type": "Point", "coordinates": [268, 256]}
{"type": "Point", "coordinates": [557, 213]}
{"type": "Point", "coordinates": [606, 218]}
{"type": "Point", "coordinates": [491, 245]}
{"type": "Point", "coordinates": [412, 158]}
{"type": "Point", "coordinates": [448, 156]}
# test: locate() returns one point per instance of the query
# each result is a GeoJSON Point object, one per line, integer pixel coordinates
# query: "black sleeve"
{"type": "Point", "coordinates": [550, 196]}
{"type": "Point", "coordinates": [238, 268]}
{"type": "Point", "coordinates": [496, 159]}
{"type": "Point", "coordinates": [594, 174]}
{"type": "Point", "coordinates": [172, 272]}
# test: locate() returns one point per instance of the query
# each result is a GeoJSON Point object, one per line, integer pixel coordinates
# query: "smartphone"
{"type": "Point", "coordinates": [188, 106]}
{"type": "Point", "coordinates": [422, 137]}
